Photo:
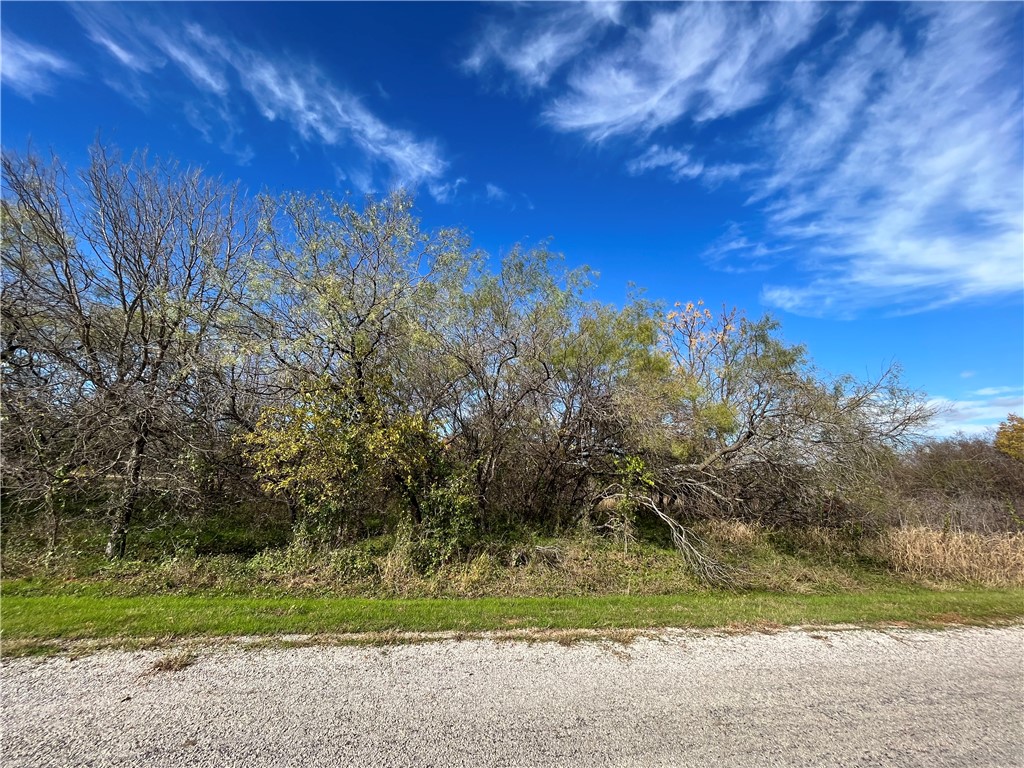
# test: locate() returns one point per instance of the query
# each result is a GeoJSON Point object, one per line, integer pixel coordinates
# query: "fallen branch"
{"type": "Point", "coordinates": [688, 544]}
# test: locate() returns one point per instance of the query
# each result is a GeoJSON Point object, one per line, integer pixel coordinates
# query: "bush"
{"type": "Point", "coordinates": [959, 484]}
{"type": "Point", "coordinates": [449, 526]}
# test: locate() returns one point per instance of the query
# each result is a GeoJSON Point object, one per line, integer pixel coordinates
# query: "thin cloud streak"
{"type": "Point", "coordinates": [889, 168]}
{"type": "Point", "coordinates": [295, 93]}
{"type": "Point", "coordinates": [446, 192]}
{"type": "Point", "coordinates": [535, 52]}
{"type": "Point", "coordinates": [680, 164]}
{"type": "Point", "coordinates": [993, 391]}
{"type": "Point", "coordinates": [31, 69]}
{"type": "Point", "coordinates": [702, 61]}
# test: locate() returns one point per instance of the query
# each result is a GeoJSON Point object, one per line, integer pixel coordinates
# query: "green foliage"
{"type": "Point", "coordinates": [338, 456]}
{"type": "Point", "coordinates": [1010, 437]}
{"type": "Point", "coordinates": [634, 475]}
{"type": "Point", "coordinates": [384, 381]}
{"type": "Point", "coordinates": [449, 526]}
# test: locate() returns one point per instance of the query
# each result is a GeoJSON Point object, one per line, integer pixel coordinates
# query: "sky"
{"type": "Point", "coordinates": [855, 170]}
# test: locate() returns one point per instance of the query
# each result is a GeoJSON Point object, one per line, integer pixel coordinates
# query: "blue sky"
{"type": "Point", "coordinates": [855, 169]}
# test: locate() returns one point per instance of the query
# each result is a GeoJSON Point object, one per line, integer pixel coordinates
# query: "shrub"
{"type": "Point", "coordinates": [960, 484]}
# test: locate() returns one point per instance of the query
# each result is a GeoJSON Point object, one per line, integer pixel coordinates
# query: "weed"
{"type": "Point", "coordinates": [995, 560]}
{"type": "Point", "coordinates": [173, 662]}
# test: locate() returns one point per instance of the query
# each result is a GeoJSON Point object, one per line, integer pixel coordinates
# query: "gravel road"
{"type": "Point", "coordinates": [795, 698]}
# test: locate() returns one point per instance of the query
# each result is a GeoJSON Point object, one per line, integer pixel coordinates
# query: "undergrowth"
{"type": "Point", "coordinates": [797, 561]}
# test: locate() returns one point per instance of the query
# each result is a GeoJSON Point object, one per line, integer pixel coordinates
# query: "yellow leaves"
{"type": "Point", "coordinates": [1010, 437]}
{"type": "Point", "coordinates": [336, 451]}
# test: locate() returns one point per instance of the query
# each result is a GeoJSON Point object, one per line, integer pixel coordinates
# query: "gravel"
{"type": "Point", "coordinates": [793, 698]}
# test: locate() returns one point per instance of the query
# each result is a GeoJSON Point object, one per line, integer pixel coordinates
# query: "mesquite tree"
{"type": "Point", "coordinates": [342, 288]}
{"type": "Point", "coordinates": [122, 276]}
{"type": "Point", "coordinates": [761, 431]}
{"type": "Point", "coordinates": [159, 328]}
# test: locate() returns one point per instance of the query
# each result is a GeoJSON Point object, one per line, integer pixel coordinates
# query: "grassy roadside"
{"type": "Point", "coordinates": [37, 623]}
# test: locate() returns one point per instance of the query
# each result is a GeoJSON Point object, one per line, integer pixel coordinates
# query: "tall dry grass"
{"type": "Point", "coordinates": [995, 559]}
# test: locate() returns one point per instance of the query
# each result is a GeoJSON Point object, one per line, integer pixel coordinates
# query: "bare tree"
{"type": "Point", "coordinates": [129, 271]}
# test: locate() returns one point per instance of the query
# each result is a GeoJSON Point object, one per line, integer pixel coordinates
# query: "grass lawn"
{"type": "Point", "coordinates": [37, 623]}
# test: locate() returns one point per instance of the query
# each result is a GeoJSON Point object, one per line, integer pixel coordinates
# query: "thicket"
{"type": "Point", "coordinates": [177, 353]}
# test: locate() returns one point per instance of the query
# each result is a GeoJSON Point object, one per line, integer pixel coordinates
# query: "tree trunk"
{"type": "Point", "coordinates": [415, 508]}
{"type": "Point", "coordinates": [118, 539]}
{"type": "Point", "coordinates": [54, 520]}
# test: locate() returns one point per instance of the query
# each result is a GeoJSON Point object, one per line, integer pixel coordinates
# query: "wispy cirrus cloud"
{"type": "Point", "coordinates": [446, 192]}
{"type": "Point", "coordinates": [495, 193]}
{"type": "Point", "coordinates": [534, 52]}
{"type": "Point", "coordinates": [737, 252]}
{"type": "Point", "coordinates": [28, 68]}
{"type": "Point", "coordinates": [901, 168]}
{"type": "Point", "coordinates": [883, 162]}
{"type": "Point", "coordinates": [226, 74]}
{"type": "Point", "coordinates": [976, 415]}
{"type": "Point", "coordinates": [995, 391]}
{"type": "Point", "coordinates": [318, 110]}
{"type": "Point", "coordinates": [680, 164]}
{"type": "Point", "coordinates": [702, 61]}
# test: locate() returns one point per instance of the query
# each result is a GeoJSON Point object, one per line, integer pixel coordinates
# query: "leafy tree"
{"type": "Point", "coordinates": [338, 457]}
{"type": "Point", "coordinates": [1010, 437]}
{"type": "Point", "coordinates": [495, 345]}
{"type": "Point", "coordinates": [342, 289]}
{"type": "Point", "coordinates": [758, 430]}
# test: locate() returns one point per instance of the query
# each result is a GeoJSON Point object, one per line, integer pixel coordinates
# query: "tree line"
{"type": "Point", "coordinates": [170, 340]}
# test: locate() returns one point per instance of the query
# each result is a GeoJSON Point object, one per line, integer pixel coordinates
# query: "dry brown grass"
{"type": "Point", "coordinates": [995, 560]}
{"type": "Point", "coordinates": [732, 533]}
{"type": "Point", "coordinates": [173, 662]}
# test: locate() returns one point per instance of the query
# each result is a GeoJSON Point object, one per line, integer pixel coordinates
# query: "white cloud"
{"type": "Point", "coordinates": [320, 111]}
{"type": "Point", "coordinates": [735, 251]}
{"type": "Point", "coordinates": [495, 193]}
{"type": "Point", "coordinates": [973, 416]}
{"type": "Point", "coordinates": [888, 157]}
{"type": "Point", "coordinates": [700, 60]}
{"type": "Point", "coordinates": [118, 34]}
{"type": "Point", "coordinates": [967, 374]}
{"type": "Point", "coordinates": [192, 53]}
{"type": "Point", "coordinates": [446, 192]}
{"type": "Point", "coordinates": [297, 93]}
{"type": "Point", "coordinates": [900, 169]}
{"type": "Point", "coordinates": [993, 391]}
{"type": "Point", "coordinates": [30, 69]}
{"type": "Point", "coordinates": [119, 53]}
{"type": "Point", "coordinates": [535, 52]}
{"type": "Point", "coordinates": [681, 165]}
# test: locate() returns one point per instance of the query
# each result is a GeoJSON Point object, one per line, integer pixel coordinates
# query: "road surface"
{"type": "Point", "coordinates": [793, 698]}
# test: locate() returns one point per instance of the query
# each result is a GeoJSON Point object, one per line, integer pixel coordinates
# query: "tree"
{"type": "Point", "coordinates": [122, 279]}
{"type": "Point", "coordinates": [496, 345]}
{"type": "Point", "coordinates": [343, 289]}
{"type": "Point", "coordinates": [338, 456]}
{"type": "Point", "coordinates": [1010, 437]}
{"type": "Point", "coordinates": [758, 430]}
{"type": "Point", "coordinates": [959, 482]}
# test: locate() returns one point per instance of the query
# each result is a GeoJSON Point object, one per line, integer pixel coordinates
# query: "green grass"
{"type": "Point", "coordinates": [33, 622]}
